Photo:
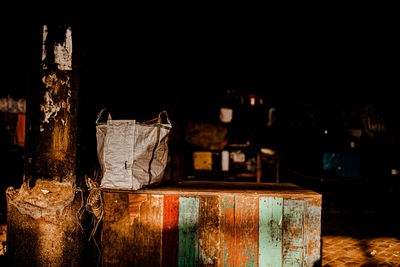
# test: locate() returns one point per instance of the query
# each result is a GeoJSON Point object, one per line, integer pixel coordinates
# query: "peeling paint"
{"type": "Point", "coordinates": [44, 52]}
{"type": "Point", "coordinates": [49, 108]}
{"type": "Point", "coordinates": [51, 80]}
{"type": "Point", "coordinates": [63, 52]}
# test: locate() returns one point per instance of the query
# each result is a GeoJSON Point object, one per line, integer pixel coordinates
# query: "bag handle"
{"type": "Point", "coordinates": [100, 113]}
{"type": "Point", "coordinates": [158, 119]}
{"type": "Point", "coordinates": [166, 116]}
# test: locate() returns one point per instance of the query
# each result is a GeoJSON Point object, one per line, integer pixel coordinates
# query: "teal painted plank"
{"type": "Point", "coordinates": [188, 231]}
{"type": "Point", "coordinates": [312, 232]}
{"type": "Point", "coordinates": [228, 231]}
{"type": "Point", "coordinates": [270, 231]}
{"type": "Point", "coordinates": [293, 219]}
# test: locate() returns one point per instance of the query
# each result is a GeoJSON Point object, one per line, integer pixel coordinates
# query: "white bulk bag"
{"type": "Point", "coordinates": [132, 154]}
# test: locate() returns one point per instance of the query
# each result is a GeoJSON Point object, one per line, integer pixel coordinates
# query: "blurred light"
{"type": "Point", "coordinates": [252, 100]}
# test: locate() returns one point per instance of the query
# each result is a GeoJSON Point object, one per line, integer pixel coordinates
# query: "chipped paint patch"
{"type": "Point", "coordinates": [51, 81]}
{"type": "Point", "coordinates": [63, 52]}
{"type": "Point", "coordinates": [204, 259]}
{"type": "Point", "coordinates": [44, 51]}
{"type": "Point", "coordinates": [49, 109]}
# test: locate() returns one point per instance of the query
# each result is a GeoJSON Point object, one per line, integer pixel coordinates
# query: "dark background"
{"type": "Point", "coordinates": [136, 70]}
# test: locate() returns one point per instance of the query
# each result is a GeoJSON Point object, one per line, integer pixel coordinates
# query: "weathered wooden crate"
{"type": "Point", "coordinates": [213, 224]}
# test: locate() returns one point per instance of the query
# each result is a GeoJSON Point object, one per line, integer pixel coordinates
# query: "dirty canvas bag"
{"type": "Point", "coordinates": [132, 154]}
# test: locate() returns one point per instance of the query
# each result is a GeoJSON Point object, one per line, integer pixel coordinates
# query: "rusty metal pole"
{"type": "Point", "coordinates": [42, 224]}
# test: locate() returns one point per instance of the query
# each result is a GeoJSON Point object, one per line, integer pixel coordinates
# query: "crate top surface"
{"type": "Point", "coordinates": [225, 188]}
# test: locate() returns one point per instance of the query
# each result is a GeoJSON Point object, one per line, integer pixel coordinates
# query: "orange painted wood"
{"type": "Point", "coordinates": [170, 231]}
{"type": "Point", "coordinates": [228, 231]}
{"type": "Point", "coordinates": [246, 231]}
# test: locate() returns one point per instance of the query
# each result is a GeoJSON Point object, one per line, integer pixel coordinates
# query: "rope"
{"type": "Point", "coordinates": [94, 205]}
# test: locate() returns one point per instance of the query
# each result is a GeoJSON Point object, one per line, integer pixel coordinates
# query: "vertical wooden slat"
{"type": "Point", "coordinates": [228, 231]}
{"type": "Point", "coordinates": [113, 240]}
{"type": "Point", "coordinates": [170, 231]}
{"type": "Point", "coordinates": [188, 231]}
{"type": "Point", "coordinates": [147, 232]}
{"type": "Point", "coordinates": [246, 231]}
{"type": "Point", "coordinates": [209, 231]}
{"type": "Point", "coordinates": [151, 222]}
{"type": "Point", "coordinates": [293, 211]}
{"type": "Point", "coordinates": [312, 231]}
{"type": "Point", "coordinates": [270, 231]}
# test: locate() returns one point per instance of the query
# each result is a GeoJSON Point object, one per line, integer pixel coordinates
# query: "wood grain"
{"type": "Point", "coordinates": [188, 231]}
{"type": "Point", "coordinates": [228, 231]}
{"type": "Point", "coordinates": [246, 231]}
{"type": "Point", "coordinates": [147, 233]}
{"type": "Point", "coordinates": [293, 211]}
{"type": "Point", "coordinates": [170, 231]}
{"type": "Point", "coordinates": [312, 232]}
{"type": "Point", "coordinates": [209, 231]}
{"type": "Point", "coordinates": [137, 243]}
{"type": "Point", "coordinates": [270, 231]}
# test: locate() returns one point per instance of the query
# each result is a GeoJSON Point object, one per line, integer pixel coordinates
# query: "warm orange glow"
{"type": "Point", "coordinates": [252, 100]}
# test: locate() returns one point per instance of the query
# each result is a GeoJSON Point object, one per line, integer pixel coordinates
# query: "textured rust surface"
{"type": "Point", "coordinates": [38, 242]}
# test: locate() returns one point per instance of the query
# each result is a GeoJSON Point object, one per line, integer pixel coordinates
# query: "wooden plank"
{"type": "Point", "coordinates": [293, 212]}
{"type": "Point", "coordinates": [188, 231]}
{"type": "Point", "coordinates": [147, 233]}
{"type": "Point", "coordinates": [312, 232]}
{"type": "Point", "coordinates": [115, 204]}
{"type": "Point", "coordinates": [246, 231]}
{"type": "Point", "coordinates": [270, 231]}
{"type": "Point", "coordinates": [194, 188]}
{"type": "Point", "coordinates": [112, 239]}
{"type": "Point", "coordinates": [209, 231]}
{"type": "Point", "coordinates": [228, 231]}
{"type": "Point", "coordinates": [170, 231]}
{"type": "Point", "coordinates": [138, 242]}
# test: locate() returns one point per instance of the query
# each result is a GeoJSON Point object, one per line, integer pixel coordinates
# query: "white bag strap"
{"type": "Point", "coordinates": [100, 113]}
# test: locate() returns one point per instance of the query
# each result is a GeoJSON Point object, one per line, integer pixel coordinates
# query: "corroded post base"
{"type": "Point", "coordinates": [42, 226]}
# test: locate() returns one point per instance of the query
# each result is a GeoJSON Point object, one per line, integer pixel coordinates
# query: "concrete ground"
{"type": "Point", "coordinates": [359, 240]}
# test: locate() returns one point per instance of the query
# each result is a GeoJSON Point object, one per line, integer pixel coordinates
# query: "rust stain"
{"type": "Point", "coordinates": [60, 140]}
